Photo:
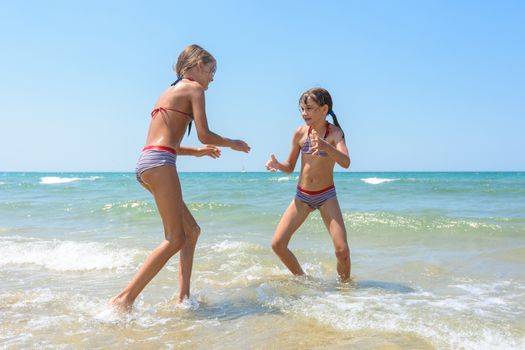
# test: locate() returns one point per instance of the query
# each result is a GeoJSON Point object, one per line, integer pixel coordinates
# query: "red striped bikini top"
{"type": "Point", "coordinates": [164, 110]}
{"type": "Point", "coordinates": [157, 110]}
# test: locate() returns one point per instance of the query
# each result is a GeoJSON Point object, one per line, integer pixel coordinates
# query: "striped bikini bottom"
{"type": "Point", "coordinates": [315, 198]}
{"type": "Point", "coordinates": [155, 156]}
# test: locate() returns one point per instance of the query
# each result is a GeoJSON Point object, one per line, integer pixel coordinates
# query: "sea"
{"type": "Point", "coordinates": [438, 262]}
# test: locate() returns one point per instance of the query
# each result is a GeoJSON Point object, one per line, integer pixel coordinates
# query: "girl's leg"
{"type": "Point", "coordinates": [163, 182]}
{"type": "Point", "coordinates": [292, 218]}
{"type": "Point", "coordinates": [192, 231]}
{"type": "Point", "coordinates": [333, 219]}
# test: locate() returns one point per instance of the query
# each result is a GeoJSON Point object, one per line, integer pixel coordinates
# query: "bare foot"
{"type": "Point", "coordinates": [187, 303]}
{"type": "Point", "coordinates": [181, 299]}
{"type": "Point", "coordinates": [121, 304]}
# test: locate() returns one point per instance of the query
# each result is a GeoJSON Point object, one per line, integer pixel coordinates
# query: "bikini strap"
{"type": "Point", "coordinates": [179, 78]}
{"type": "Point", "coordinates": [326, 133]}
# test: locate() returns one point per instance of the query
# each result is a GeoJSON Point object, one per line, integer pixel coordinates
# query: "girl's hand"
{"type": "Point", "coordinates": [273, 164]}
{"type": "Point", "coordinates": [210, 151]}
{"type": "Point", "coordinates": [318, 143]}
{"type": "Point", "coordinates": [240, 145]}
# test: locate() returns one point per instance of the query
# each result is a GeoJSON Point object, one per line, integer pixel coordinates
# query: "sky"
{"type": "Point", "coordinates": [417, 85]}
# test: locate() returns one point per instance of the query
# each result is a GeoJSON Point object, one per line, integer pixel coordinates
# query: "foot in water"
{"type": "Point", "coordinates": [187, 303]}
{"type": "Point", "coordinates": [121, 303]}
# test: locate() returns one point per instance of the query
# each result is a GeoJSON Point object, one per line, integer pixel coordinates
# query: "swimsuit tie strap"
{"type": "Point", "coordinates": [176, 81]}
{"type": "Point", "coordinates": [157, 110]}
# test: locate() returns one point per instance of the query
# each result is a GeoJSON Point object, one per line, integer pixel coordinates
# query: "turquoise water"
{"type": "Point", "coordinates": [437, 262]}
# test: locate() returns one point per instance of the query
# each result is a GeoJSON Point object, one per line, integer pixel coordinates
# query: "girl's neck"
{"type": "Point", "coordinates": [320, 125]}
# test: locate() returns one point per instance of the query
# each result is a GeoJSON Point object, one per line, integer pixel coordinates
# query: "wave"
{"type": "Point", "coordinates": [446, 321]}
{"type": "Point", "coordinates": [381, 220]}
{"type": "Point", "coordinates": [129, 207]}
{"type": "Point", "coordinates": [197, 206]}
{"type": "Point", "coordinates": [234, 246]}
{"type": "Point", "coordinates": [284, 178]}
{"type": "Point", "coordinates": [64, 255]}
{"type": "Point", "coordinates": [376, 180]}
{"type": "Point", "coordinates": [51, 180]}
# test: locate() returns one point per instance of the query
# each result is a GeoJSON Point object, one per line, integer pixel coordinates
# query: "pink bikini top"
{"type": "Point", "coordinates": [307, 145]}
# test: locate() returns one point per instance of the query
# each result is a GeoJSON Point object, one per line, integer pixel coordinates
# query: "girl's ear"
{"type": "Point", "coordinates": [325, 109]}
{"type": "Point", "coordinates": [200, 65]}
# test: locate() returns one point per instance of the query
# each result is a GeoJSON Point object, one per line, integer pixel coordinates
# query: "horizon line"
{"type": "Point", "coordinates": [246, 171]}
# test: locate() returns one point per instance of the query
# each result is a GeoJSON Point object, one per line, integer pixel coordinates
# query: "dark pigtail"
{"type": "Point", "coordinates": [336, 123]}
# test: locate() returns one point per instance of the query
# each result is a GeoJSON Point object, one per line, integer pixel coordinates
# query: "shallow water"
{"type": "Point", "coordinates": [437, 262]}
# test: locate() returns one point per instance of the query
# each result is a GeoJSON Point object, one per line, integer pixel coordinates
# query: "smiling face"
{"type": "Point", "coordinates": [311, 111]}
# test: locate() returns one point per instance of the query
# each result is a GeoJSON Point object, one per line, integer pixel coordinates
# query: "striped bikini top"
{"type": "Point", "coordinates": [161, 110]}
{"type": "Point", "coordinates": [307, 145]}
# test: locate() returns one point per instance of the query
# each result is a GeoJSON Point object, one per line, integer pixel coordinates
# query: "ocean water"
{"type": "Point", "coordinates": [438, 262]}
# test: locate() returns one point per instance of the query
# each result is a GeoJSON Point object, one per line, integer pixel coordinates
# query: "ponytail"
{"type": "Point", "coordinates": [336, 123]}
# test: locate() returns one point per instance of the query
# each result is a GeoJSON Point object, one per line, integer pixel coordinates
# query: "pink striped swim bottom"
{"type": "Point", "coordinates": [315, 199]}
{"type": "Point", "coordinates": [155, 156]}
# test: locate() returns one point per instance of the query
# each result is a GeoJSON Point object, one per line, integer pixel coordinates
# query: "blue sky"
{"type": "Point", "coordinates": [417, 85]}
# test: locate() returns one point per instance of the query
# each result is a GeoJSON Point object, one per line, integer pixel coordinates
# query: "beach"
{"type": "Point", "coordinates": [437, 263]}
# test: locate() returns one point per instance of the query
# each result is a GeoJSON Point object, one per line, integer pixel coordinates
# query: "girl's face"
{"type": "Point", "coordinates": [206, 73]}
{"type": "Point", "coordinates": [312, 112]}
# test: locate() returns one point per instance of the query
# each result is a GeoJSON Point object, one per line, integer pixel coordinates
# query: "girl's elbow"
{"type": "Point", "coordinates": [346, 163]}
{"type": "Point", "coordinates": [204, 138]}
{"type": "Point", "coordinates": [288, 169]}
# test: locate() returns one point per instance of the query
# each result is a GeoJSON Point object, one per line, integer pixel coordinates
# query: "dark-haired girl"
{"type": "Point", "coordinates": [321, 145]}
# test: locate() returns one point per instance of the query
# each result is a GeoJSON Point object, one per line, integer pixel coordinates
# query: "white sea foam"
{"type": "Point", "coordinates": [190, 303]}
{"type": "Point", "coordinates": [284, 178]}
{"type": "Point", "coordinates": [64, 255]}
{"type": "Point", "coordinates": [445, 321]}
{"type": "Point", "coordinates": [233, 246]}
{"type": "Point", "coordinates": [50, 180]}
{"type": "Point", "coordinates": [376, 180]}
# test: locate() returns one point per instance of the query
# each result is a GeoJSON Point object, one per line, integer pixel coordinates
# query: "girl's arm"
{"type": "Point", "coordinates": [339, 153]}
{"type": "Point", "coordinates": [206, 136]}
{"type": "Point", "coordinates": [210, 151]}
{"type": "Point", "coordinates": [287, 167]}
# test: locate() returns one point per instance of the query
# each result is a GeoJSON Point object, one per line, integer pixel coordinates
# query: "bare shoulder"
{"type": "Point", "coordinates": [193, 89]}
{"type": "Point", "coordinates": [299, 132]}
{"type": "Point", "coordinates": [336, 133]}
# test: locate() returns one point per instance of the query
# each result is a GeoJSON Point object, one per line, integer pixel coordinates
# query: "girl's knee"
{"type": "Point", "coordinates": [342, 253]}
{"type": "Point", "coordinates": [175, 243]}
{"type": "Point", "coordinates": [278, 246]}
{"type": "Point", "coordinates": [193, 235]}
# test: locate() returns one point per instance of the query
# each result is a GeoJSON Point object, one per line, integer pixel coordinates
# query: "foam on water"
{"type": "Point", "coordinates": [285, 178]}
{"type": "Point", "coordinates": [447, 322]}
{"type": "Point", "coordinates": [414, 223]}
{"type": "Point", "coordinates": [232, 246]}
{"type": "Point", "coordinates": [376, 180]}
{"type": "Point", "coordinates": [50, 180]}
{"type": "Point", "coordinates": [64, 255]}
